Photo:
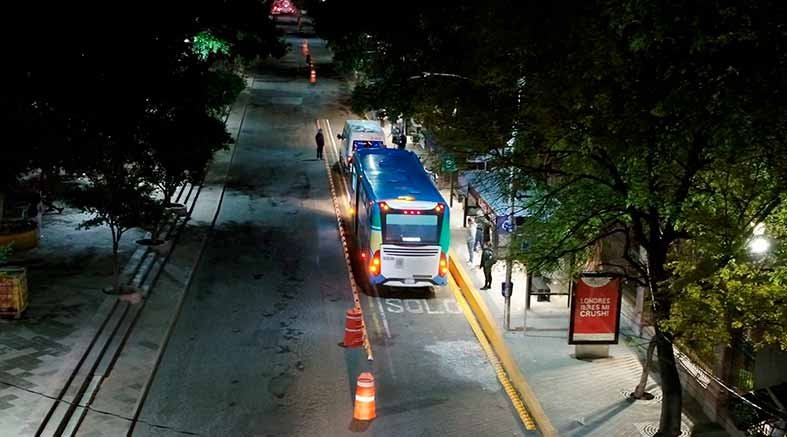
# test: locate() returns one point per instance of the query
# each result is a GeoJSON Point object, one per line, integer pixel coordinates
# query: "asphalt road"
{"type": "Point", "coordinates": [255, 350]}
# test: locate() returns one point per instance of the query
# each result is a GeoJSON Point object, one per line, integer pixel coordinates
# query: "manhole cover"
{"type": "Point", "coordinates": [627, 394]}
{"type": "Point", "coordinates": [650, 429]}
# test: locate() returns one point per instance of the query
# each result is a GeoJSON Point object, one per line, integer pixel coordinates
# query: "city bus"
{"type": "Point", "coordinates": [401, 221]}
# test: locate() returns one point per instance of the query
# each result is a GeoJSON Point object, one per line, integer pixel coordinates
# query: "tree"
{"type": "Point", "coordinates": [659, 125]}
{"type": "Point", "coordinates": [181, 147]}
{"type": "Point", "coordinates": [118, 194]}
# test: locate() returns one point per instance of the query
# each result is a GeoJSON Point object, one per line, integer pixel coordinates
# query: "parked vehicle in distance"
{"type": "Point", "coordinates": [359, 134]}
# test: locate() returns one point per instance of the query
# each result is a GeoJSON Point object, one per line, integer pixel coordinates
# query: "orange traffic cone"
{"type": "Point", "coordinates": [313, 75]}
{"type": "Point", "coordinates": [305, 47]}
{"type": "Point", "coordinates": [353, 328]}
{"type": "Point", "coordinates": [364, 397]}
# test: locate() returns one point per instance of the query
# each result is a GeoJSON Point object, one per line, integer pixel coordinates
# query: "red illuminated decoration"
{"type": "Point", "coordinates": [283, 7]}
{"type": "Point", "coordinates": [595, 310]}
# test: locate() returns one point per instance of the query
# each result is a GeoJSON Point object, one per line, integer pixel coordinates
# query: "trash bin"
{"type": "Point", "coordinates": [13, 292]}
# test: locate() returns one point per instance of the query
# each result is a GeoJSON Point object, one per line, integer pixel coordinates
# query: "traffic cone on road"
{"type": "Point", "coordinates": [305, 47]}
{"type": "Point", "coordinates": [353, 328]}
{"type": "Point", "coordinates": [364, 397]}
{"type": "Point", "coordinates": [313, 75]}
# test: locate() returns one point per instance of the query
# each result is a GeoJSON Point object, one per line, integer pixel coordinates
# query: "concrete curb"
{"type": "Point", "coordinates": [510, 366]}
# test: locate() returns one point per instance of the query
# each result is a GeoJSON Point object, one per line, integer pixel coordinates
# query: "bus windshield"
{"type": "Point", "coordinates": [401, 228]}
{"type": "Point", "coordinates": [368, 144]}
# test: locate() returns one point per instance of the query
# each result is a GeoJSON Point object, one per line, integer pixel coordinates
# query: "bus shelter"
{"type": "Point", "coordinates": [485, 200]}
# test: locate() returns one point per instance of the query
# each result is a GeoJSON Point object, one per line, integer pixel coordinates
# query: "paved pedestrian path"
{"type": "Point", "coordinates": [66, 273]}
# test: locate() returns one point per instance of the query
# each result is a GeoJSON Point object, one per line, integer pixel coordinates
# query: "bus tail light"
{"type": "Point", "coordinates": [374, 264]}
{"type": "Point", "coordinates": [384, 206]}
{"type": "Point", "coordinates": [443, 264]}
{"type": "Point", "coordinates": [439, 207]}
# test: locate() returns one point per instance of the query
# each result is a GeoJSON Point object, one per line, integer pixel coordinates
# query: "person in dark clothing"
{"type": "Point", "coordinates": [320, 140]}
{"type": "Point", "coordinates": [487, 261]}
{"type": "Point", "coordinates": [402, 141]}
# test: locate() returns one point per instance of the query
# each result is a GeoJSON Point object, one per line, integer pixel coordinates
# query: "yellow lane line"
{"type": "Point", "coordinates": [508, 372]}
{"type": "Point", "coordinates": [345, 247]}
{"type": "Point", "coordinates": [524, 416]}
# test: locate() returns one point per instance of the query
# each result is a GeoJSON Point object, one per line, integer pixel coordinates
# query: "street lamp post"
{"type": "Point", "coordinates": [511, 198]}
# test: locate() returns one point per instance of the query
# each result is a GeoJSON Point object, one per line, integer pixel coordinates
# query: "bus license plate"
{"type": "Point", "coordinates": [399, 263]}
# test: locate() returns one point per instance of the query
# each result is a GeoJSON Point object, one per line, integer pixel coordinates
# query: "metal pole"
{"type": "Point", "coordinates": [527, 298]}
{"type": "Point", "coordinates": [451, 193]}
{"type": "Point", "coordinates": [509, 267]}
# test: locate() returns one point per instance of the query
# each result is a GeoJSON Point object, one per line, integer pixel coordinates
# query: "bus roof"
{"type": "Point", "coordinates": [365, 126]}
{"type": "Point", "coordinates": [391, 173]}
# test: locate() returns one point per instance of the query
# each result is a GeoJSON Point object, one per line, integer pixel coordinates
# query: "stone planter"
{"type": "Point", "coordinates": [22, 235]}
{"type": "Point", "coordinates": [159, 246]}
{"type": "Point", "coordinates": [176, 209]}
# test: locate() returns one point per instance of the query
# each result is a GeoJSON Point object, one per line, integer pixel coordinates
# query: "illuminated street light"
{"type": "Point", "coordinates": [759, 243]}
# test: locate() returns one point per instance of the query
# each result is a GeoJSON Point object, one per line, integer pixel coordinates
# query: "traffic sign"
{"type": "Point", "coordinates": [449, 165]}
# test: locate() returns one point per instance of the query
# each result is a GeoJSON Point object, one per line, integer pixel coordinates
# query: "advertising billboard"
{"type": "Point", "coordinates": [595, 310]}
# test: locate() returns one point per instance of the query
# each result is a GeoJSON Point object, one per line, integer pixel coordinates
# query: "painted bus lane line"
{"type": "Point", "coordinates": [430, 307]}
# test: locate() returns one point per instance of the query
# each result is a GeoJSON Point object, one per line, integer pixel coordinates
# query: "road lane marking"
{"type": "Point", "coordinates": [345, 248]}
{"type": "Point", "coordinates": [333, 140]}
{"type": "Point", "coordinates": [338, 161]}
{"type": "Point", "coordinates": [384, 319]}
{"type": "Point", "coordinates": [421, 306]}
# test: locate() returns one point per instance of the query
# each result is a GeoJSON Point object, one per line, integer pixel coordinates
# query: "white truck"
{"type": "Point", "coordinates": [359, 134]}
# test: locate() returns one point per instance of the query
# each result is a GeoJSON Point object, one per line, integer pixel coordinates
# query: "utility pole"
{"type": "Point", "coordinates": [508, 287]}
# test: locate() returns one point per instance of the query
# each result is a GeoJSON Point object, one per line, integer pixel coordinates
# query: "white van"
{"type": "Point", "coordinates": [359, 134]}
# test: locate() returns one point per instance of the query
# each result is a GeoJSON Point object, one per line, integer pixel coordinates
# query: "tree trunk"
{"type": "Point", "coordinates": [639, 392]}
{"type": "Point", "coordinates": [672, 402]}
{"type": "Point", "coordinates": [116, 234]}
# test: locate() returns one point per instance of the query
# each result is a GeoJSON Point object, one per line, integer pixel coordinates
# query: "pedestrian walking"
{"type": "Point", "coordinates": [320, 140]}
{"type": "Point", "coordinates": [487, 261]}
{"type": "Point", "coordinates": [471, 235]}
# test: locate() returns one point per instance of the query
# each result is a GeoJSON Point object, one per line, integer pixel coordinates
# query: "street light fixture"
{"type": "Point", "coordinates": [759, 244]}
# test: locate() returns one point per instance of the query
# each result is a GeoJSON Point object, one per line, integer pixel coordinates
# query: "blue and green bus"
{"type": "Point", "coordinates": [401, 221]}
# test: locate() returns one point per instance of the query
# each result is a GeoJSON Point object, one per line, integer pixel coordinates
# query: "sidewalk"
{"type": "Point", "coordinates": [580, 397]}
{"type": "Point", "coordinates": [66, 273]}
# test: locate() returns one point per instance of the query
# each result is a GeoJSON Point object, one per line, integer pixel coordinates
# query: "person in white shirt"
{"type": "Point", "coordinates": [472, 229]}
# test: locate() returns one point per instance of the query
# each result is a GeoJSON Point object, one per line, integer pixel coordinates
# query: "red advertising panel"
{"type": "Point", "coordinates": [595, 310]}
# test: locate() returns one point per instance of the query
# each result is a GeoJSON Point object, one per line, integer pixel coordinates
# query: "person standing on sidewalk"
{"type": "Point", "coordinates": [402, 141]}
{"type": "Point", "coordinates": [320, 140]}
{"type": "Point", "coordinates": [479, 235]}
{"type": "Point", "coordinates": [487, 261]}
{"type": "Point", "coordinates": [472, 230]}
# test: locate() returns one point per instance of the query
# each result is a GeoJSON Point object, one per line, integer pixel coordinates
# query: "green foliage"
{"type": "Point", "coordinates": [206, 44]}
{"type": "Point", "coordinates": [5, 253]}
